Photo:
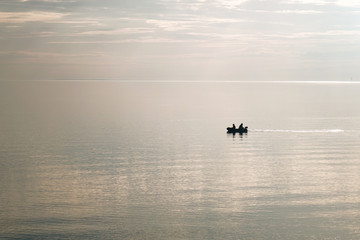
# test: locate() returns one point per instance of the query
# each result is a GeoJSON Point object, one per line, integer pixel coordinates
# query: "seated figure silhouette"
{"type": "Point", "coordinates": [240, 130]}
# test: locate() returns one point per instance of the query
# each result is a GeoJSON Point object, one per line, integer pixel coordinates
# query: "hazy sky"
{"type": "Point", "coordinates": [180, 39]}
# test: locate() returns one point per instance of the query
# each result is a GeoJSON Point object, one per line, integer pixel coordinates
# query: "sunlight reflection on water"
{"type": "Point", "coordinates": [164, 177]}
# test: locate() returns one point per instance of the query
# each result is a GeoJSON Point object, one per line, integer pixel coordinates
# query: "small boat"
{"type": "Point", "coordinates": [237, 130]}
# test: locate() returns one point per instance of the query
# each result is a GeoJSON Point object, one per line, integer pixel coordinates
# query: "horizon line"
{"type": "Point", "coordinates": [192, 81]}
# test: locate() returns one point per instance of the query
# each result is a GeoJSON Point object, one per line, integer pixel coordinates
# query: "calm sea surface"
{"type": "Point", "coordinates": [110, 160]}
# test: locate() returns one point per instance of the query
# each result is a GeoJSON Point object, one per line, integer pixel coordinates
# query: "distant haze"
{"type": "Point", "coordinates": [180, 39]}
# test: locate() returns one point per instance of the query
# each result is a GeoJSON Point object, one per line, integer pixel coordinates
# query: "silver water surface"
{"type": "Point", "coordinates": [112, 160]}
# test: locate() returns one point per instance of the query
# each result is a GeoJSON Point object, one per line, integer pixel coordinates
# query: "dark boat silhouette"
{"type": "Point", "coordinates": [237, 130]}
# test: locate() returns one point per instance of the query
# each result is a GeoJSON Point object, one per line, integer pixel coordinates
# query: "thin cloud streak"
{"type": "Point", "coordinates": [121, 31]}
{"type": "Point", "coordinates": [24, 17]}
{"type": "Point", "coordinates": [49, 1]}
{"type": "Point", "coordinates": [344, 3]}
{"type": "Point", "coordinates": [48, 54]}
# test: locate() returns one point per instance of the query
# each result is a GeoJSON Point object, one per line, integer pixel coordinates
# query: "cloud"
{"type": "Point", "coordinates": [345, 3]}
{"type": "Point", "coordinates": [49, 57]}
{"type": "Point", "coordinates": [196, 5]}
{"type": "Point", "coordinates": [298, 12]}
{"type": "Point", "coordinates": [36, 16]}
{"type": "Point", "coordinates": [187, 21]}
{"type": "Point", "coordinates": [50, 1]}
{"type": "Point", "coordinates": [79, 22]}
{"type": "Point", "coordinates": [312, 2]}
{"type": "Point", "coordinates": [183, 4]}
{"type": "Point", "coordinates": [132, 40]}
{"type": "Point", "coordinates": [230, 4]}
{"type": "Point", "coordinates": [169, 25]}
{"type": "Point", "coordinates": [119, 31]}
{"type": "Point", "coordinates": [332, 33]}
{"type": "Point", "coordinates": [48, 54]}
{"type": "Point", "coordinates": [59, 31]}
{"type": "Point", "coordinates": [284, 11]}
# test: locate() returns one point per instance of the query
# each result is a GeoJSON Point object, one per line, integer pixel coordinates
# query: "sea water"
{"type": "Point", "coordinates": [152, 160]}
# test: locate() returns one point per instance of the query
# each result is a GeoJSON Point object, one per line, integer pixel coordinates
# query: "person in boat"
{"type": "Point", "coordinates": [234, 127]}
{"type": "Point", "coordinates": [241, 127]}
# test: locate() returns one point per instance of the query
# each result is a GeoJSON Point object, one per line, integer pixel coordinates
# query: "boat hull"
{"type": "Point", "coordinates": [241, 131]}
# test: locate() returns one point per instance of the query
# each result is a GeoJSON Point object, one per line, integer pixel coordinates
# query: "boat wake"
{"type": "Point", "coordinates": [300, 131]}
